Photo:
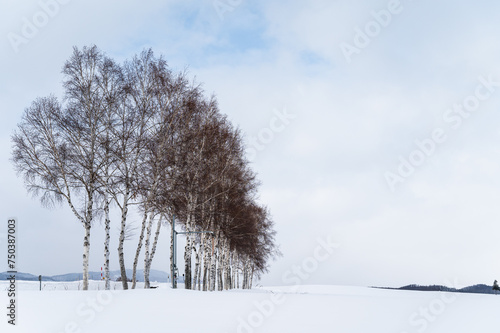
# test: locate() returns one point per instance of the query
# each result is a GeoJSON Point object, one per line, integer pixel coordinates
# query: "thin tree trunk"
{"type": "Point", "coordinates": [245, 274]}
{"type": "Point", "coordinates": [86, 251]}
{"type": "Point", "coordinates": [86, 239]}
{"type": "Point", "coordinates": [220, 266]}
{"type": "Point", "coordinates": [146, 251]}
{"type": "Point", "coordinates": [225, 267]}
{"type": "Point", "coordinates": [147, 269]}
{"type": "Point", "coordinates": [121, 258]}
{"type": "Point", "coordinates": [198, 278]}
{"type": "Point", "coordinates": [196, 267]}
{"type": "Point", "coordinates": [187, 261]}
{"type": "Point", "coordinates": [172, 268]}
{"type": "Point", "coordinates": [139, 247]}
{"type": "Point", "coordinates": [188, 252]}
{"type": "Point", "coordinates": [199, 260]}
{"type": "Point", "coordinates": [233, 271]}
{"type": "Point", "coordinates": [86, 242]}
{"type": "Point", "coordinates": [107, 223]}
{"type": "Point", "coordinates": [238, 276]}
{"type": "Point", "coordinates": [206, 271]}
{"type": "Point", "coordinates": [148, 257]}
{"type": "Point", "coordinates": [228, 266]}
{"type": "Point", "coordinates": [251, 278]}
{"type": "Point", "coordinates": [143, 228]}
{"type": "Point", "coordinates": [213, 265]}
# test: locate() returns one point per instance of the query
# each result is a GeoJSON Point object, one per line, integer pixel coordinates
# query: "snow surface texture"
{"type": "Point", "coordinates": [61, 307]}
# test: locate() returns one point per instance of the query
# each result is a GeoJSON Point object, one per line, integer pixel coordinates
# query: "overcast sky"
{"type": "Point", "coordinates": [371, 124]}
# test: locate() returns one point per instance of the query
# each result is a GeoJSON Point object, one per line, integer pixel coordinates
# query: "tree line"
{"type": "Point", "coordinates": [138, 134]}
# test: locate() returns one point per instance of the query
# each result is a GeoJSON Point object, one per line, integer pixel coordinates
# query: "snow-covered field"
{"type": "Point", "coordinates": [61, 307]}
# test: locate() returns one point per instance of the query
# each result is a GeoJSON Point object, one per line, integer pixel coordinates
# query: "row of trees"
{"type": "Point", "coordinates": [138, 134]}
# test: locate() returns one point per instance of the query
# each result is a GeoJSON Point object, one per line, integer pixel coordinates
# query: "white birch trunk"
{"type": "Point", "coordinates": [213, 264]}
{"type": "Point", "coordinates": [138, 250]}
{"type": "Point", "coordinates": [226, 270]}
{"type": "Point", "coordinates": [199, 260]}
{"type": "Point", "coordinates": [229, 272]}
{"type": "Point", "coordinates": [187, 259]}
{"type": "Point", "coordinates": [220, 266]}
{"type": "Point", "coordinates": [107, 223]}
{"type": "Point", "coordinates": [238, 277]}
{"type": "Point", "coordinates": [251, 278]}
{"type": "Point", "coordinates": [143, 228]}
{"type": "Point", "coordinates": [233, 271]}
{"type": "Point", "coordinates": [147, 267]}
{"type": "Point", "coordinates": [86, 251]}
{"type": "Point", "coordinates": [188, 249]}
{"type": "Point", "coordinates": [86, 239]}
{"type": "Point", "coordinates": [146, 251]}
{"type": "Point", "coordinates": [172, 274]}
{"type": "Point", "coordinates": [206, 265]}
{"type": "Point", "coordinates": [86, 243]}
{"type": "Point", "coordinates": [121, 258]}
{"type": "Point", "coordinates": [196, 267]}
{"type": "Point", "coordinates": [243, 278]}
{"type": "Point", "coordinates": [199, 253]}
{"type": "Point", "coordinates": [245, 273]}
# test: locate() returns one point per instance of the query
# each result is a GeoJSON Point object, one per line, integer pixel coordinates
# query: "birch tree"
{"type": "Point", "coordinates": [131, 126]}
{"type": "Point", "coordinates": [112, 86]}
{"type": "Point", "coordinates": [55, 146]}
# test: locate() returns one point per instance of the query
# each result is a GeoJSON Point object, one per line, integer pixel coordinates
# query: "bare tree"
{"type": "Point", "coordinates": [55, 147]}
{"type": "Point", "coordinates": [112, 87]}
{"type": "Point", "coordinates": [131, 124]}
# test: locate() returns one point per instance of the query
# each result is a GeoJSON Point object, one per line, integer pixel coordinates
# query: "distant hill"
{"type": "Point", "coordinates": [428, 288]}
{"type": "Point", "coordinates": [154, 275]}
{"type": "Point", "coordinates": [478, 289]}
{"type": "Point", "coordinates": [475, 289]}
{"type": "Point", "coordinates": [24, 277]}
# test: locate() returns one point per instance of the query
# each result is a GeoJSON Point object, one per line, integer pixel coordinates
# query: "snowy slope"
{"type": "Point", "coordinates": [270, 309]}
